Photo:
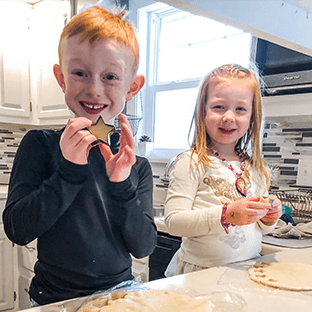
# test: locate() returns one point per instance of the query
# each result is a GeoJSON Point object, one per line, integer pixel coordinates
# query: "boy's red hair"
{"type": "Point", "coordinates": [96, 23]}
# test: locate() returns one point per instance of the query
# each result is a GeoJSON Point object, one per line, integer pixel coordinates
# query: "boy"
{"type": "Point", "coordinates": [89, 207]}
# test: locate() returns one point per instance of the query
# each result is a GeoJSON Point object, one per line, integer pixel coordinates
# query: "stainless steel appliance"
{"type": "Point", "coordinates": [284, 71]}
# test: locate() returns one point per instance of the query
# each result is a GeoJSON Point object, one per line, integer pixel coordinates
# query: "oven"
{"type": "Point", "coordinates": [166, 247]}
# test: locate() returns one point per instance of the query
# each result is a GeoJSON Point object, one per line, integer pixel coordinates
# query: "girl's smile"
{"type": "Point", "coordinates": [227, 131]}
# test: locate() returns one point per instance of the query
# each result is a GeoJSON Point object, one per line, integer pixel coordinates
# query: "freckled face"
{"type": "Point", "coordinates": [97, 78]}
{"type": "Point", "coordinates": [228, 110]}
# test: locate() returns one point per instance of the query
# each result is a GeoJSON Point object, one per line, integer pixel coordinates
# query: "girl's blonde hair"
{"type": "Point", "coordinates": [202, 142]}
{"type": "Point", "coordinates": [96, 23]}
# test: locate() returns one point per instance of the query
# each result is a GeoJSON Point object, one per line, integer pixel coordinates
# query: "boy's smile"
{"type": "Point", "coordinates": [93, 108]}
{"type": "Point", "coordinates": [96, 79]}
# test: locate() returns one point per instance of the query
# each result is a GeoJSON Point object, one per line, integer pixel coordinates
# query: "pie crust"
{"type": "Point", "coordinates": [283, 275]}
{"type": "Point", "coordinates": [147, 301]}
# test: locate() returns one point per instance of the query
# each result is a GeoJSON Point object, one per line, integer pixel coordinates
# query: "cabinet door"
{"type": "Point", "coordinates": [6, 272]}
{"type": "Point", "coordinates": [26, 259]}
{"type": "Point", "coordinates": [140, 269]}
{"type": "Point", "coordinates": [47, 25]}
{"type": "Point", "coordinates": [14, 62]}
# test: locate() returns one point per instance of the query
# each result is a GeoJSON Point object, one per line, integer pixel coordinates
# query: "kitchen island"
{"type": "Point", "coordinates": [232, 280]}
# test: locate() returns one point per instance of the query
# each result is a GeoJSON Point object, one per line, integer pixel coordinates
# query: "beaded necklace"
{"type": "Point", "coordinates": [240, 182]}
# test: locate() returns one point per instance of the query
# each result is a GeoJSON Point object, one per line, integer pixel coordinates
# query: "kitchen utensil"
{"type": "Point", "coordinates": [286, 209]}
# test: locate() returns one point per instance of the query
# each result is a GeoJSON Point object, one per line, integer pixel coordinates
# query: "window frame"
{"type": "Point", "coordinates": [147, 67]}
{"type": "Point", "coordinates": [146, 16]}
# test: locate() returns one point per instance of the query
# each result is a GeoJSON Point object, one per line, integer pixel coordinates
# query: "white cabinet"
{"type": "Point", "coordinates": [47, 24]}
{"type": "Point", "coordinates": [6, 272]}
{"type": "Point", "coordinates": [16, 269]}
{"type": "Point", "coordinates": [288, 106]}
{"type": "Point", "coordinates": [6, 267]}
{"type": "Point", "coordinates": [14, 62]}
{"type": "Point", "coordinates": [140, 269]}
{"type": "Point", "coordinates": [29, 93]}
{"type": "Point", "coordinates": [26, 259]}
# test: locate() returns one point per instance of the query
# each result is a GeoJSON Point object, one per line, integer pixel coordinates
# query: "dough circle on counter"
{"type": "Point", "coordinates": [283, 275]}
{"type": "Point", "coordinates": [148, 301]}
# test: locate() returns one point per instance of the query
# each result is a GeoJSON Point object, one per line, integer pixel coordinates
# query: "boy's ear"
{"type": "Point", "coordinates": [57, 71]}
{"type": "Point", "coordinates": [135, 87]}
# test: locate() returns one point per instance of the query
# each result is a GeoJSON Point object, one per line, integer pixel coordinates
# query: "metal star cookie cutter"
{"type": "Point", "coordinates": [101, 131]}
{"type": "Point", "coordinates": [271, 200]}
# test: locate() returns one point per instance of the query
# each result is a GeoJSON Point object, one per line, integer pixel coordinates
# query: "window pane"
{"type": "Point", "coordinates": [173, 115]}
{"type": "Point", "coordinates": [183, 49]}
{"type": "Point", "coordinates": [186, 53]}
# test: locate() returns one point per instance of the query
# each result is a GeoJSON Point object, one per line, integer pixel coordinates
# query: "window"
{"type": "Point", "coordinates": [181, 48]}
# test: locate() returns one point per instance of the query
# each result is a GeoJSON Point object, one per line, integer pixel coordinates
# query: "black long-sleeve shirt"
{"type": "Point", "coordinates": [86, 226]}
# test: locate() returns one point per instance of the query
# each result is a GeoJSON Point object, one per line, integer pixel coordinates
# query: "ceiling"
{"type": "Point", "coordinates": [80, 2]}
{"type": "Point", "coordinates": [305, 4]}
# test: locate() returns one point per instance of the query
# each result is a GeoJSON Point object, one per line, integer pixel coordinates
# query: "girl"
{"type": "Point", "coordinates": [213, 196]}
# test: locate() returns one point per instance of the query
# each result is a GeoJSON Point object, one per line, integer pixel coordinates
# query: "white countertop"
{"type": "Point", "coordinates": [4, 191]}
{"type": "Point", "coordinates": [232, 279]}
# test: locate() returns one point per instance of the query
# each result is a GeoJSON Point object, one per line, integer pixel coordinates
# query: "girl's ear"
{"type": "Point", "coordinates": [57, 71]}
{"type": "Point", "coordinates": [135, 87]}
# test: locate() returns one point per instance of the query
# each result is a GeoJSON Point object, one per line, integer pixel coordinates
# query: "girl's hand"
{"type": "Point", "coordinates": [273, 214]}
{"type": "Point", "coordinates": [119, 166]}
{"type": "Point", "coordinates": [75, 142]}
{"type": "Point", "coordinates": [246, 211]}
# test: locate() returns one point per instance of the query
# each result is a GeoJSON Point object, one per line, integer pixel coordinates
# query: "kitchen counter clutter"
{"type": "Point", "coordinates": [228, 287]}
{"type": "Point", "coordinates": [270, 244]}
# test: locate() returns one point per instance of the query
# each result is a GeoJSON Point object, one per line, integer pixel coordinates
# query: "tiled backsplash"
{"type": "Point", "coordinates": [285, 143]}
{"type": "Point", "coordinates": [10, 137]}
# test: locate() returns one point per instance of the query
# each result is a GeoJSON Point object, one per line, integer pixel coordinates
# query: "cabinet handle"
{"type": "Point", "coordinates": [163, 247]}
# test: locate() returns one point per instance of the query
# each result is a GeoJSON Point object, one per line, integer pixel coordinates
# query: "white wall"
{"type": "Point", "coordinates": [292, 105]}
{"type": "Point", "coordinates": [279, 21]}
{"type": "Point", "coordinates": [134, 5]}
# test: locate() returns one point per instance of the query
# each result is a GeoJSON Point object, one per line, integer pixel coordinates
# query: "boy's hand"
{"type": "Point", "coordinates": [246, 211]}
{"type": "Point", "coordinates": [76, 141]}
{"type": "Point", "coordinates": [118, 166]}
{"type": "Point", "coordinates": [273, 214]}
